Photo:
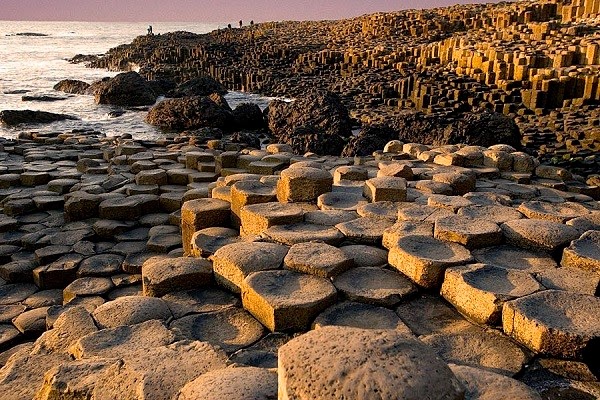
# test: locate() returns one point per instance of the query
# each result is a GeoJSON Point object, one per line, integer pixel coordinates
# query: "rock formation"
{"type": "Point", "coordinates": [72, 86]}
{"type": "Point", "coordinates": [180, 266]}
{"type": "Point", "coordinates": [126, 89]}
{"type": "Point", "coordinates": [17, 117]}
{"type": "Point", "coordinates": [317, 122]}
{"type": "Point", "coordinates": [190, 113]}
{"type": "Point", "coordinates": [536, 62]}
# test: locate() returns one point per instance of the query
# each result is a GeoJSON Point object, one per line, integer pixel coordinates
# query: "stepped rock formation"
{"type": "Point", "coordinates": [534, 61]}
{"type": "Point", "coordinates": [441, 270]}
{"type": "Point", "coordinates": [155, 268]}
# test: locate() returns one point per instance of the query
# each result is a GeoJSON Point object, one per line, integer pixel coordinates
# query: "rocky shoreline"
{"type": "Point", "coordinates": [397, 231]}
{"type": "Point", "coordinates": [461, 269]}
{"type": "Point", "coordinates": [534, 62]}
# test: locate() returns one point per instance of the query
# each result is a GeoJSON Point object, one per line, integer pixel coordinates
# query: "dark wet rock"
{"type": "Point", "coordinates": [249, 138]}
{"type": "Point", "coordinates": [248, 116]}
{"type": "Point", "coordinates": [15, 293]}
{"type": "Point", "coordinates": [162, 86]}
{"type": "Point", "coordinates": [482, 129]}
{"type": "Point", "coordinates": [17, 117]}
{"type": "Point", "coordinates": [317, 122]}
{"type": "Point", "coordinates": [369, 139]}
{"type": "Point", "coordinates": [126, 89]}
{"type": "Point", "coordinates": [34, 34]}
{"type": "Point", "coordinates": [97, 85]}
{"type": "Point", "coordinates": [83, 58]}
{"type": "Point", "coordinates": [115, 113]}
{"type": "Point", "coordinates": [486, 129]}
{"type": "Point", "coordinates": [72, 86]}
{"type": "Point", "coordinates": [201, 86]}
{"type": "Point", "coordinates": [190, 113]}
{"type": "Point", "coordinates": [44, 98]}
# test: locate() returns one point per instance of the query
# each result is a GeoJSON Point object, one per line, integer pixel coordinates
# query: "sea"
{"type": "Point", "coordinates": [33, 58]}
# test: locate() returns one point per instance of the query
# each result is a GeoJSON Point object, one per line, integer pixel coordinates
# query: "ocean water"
{"type": "Point", "coordinates": [36, 63]}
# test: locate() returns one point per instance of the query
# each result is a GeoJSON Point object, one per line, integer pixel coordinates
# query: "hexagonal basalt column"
{"type": "Point", "coordinates": [319, 259]}
{"type": "Point", "coordinates": [233, 262]}
{"type": "Point", "coordinates": [479, 291]}
{"type": "Point", "coordinates": [352, 363]}
{"type": "Point", "coordinates": [303, 184]}
{"type": "Point", "coordinates": [424, 259]}
{"type": "Point", "coordinates": [385, 188]}
{"type": "Point", "coordinates": [249, 192]}
{"type": "Point", "coordinates": [538, 234]}
{"type": "Point", "coordinates": [200, 214]}
{"type": "Point", "coordinates": [471, 233]}
{"type": "Point", "coordinates": [257, 218]}
{"type": "Point", "coordinates": [556, 323]}
{"type": "Point", "coordinates": [584, 252]}
{"type": "Point", "coordinates": [284, 300]}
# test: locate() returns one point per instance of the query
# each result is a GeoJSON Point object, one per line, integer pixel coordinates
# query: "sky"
{"type": "Point", "coordinates": [203, 10]}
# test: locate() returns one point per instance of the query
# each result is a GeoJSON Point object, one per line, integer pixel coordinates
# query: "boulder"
{"type": "Point", "coordinates": [162, 86]}
{"type": "Point", "coordinates": [370, 139]}
{"type": "Point", "coordinates": [17, 117]}
{"type": "Point", "coordinates": [72, 86]}
{"type": "Point", "coordinates": [481, 129]}
{"type": "Point", "coordinates": [126, 89]}
{"type": "Point", "coordinates": [317, 122]}
{"type": "Point", "coordinates": [190, 113]}
{"type": "Point", "coordinates": [201, 86]}
{"type": "Point", "coordinates": [250, 139]}
{"type": "Point", "coordinates": [248, 116]}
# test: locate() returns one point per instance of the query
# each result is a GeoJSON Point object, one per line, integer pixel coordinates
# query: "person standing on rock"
{"type": "Point", "coordinates": [240, 23]}
{"type": "Point", "coordinates": [150, 30]}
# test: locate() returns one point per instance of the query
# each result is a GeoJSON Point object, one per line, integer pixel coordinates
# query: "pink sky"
{"type": "Point", "coordinates": [203, 10]}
